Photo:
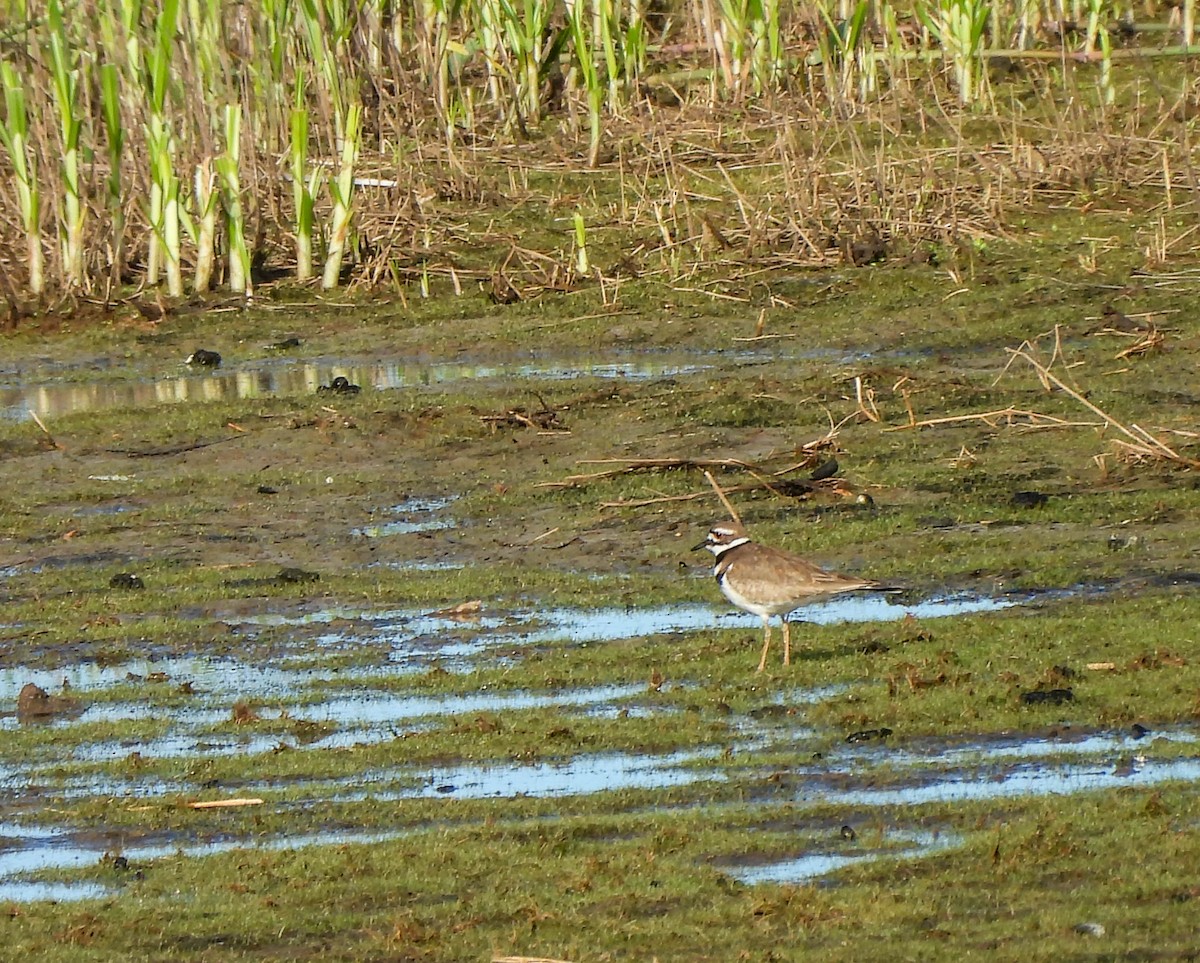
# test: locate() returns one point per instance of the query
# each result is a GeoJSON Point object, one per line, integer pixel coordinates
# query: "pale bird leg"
{"type": "Point", "coordinates": [762, 663]}
{"type": "Point", "coordinates": [787, 642]}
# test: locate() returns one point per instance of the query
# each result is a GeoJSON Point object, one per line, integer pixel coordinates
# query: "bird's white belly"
{"type": "Point", "coordinates": [762, 609]}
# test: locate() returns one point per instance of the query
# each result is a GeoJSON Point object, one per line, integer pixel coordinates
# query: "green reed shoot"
{"type": "Point", "coordinates": [589, 73]}
{"type": "Point", "coordinates": [770, 64]}
{"type": "Point", "coordinates": [114, 136]}
{"type": "Point", "coordinates": [304, 187]}
{"type": "Point", "coordinates": [606, 29]}
{"type": "Point", "coordinates": [326, 26]}
{"type": "Point", "coordinates": [488, 18]}
{"type": "Point", "coordinates": [742, 35]}
{"type": "Point", "coordinates": [228, 168]}
{"type": "Point", "coordinates": [534, 46]}
{"type": "Point", "coordinates": [635, 45]}
{"type": "Point", "coordinates": [846, 60]}
{"type": "Point", "coordinates": [582, 266]}
{"type": "Point", "coordinates": [14, 133]}
{"type": "Point", "coordinates": [436, 16]}
{"type": "Point", "coordinates": [341, 188]}
{"type": "Point", "coordinates": [1098, 31]}
{"type": "Point", "coordinates": [64, 75]}
{"type": "Point", "coordinates": [959, 26]}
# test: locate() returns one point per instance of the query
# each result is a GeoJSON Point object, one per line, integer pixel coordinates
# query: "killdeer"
{"type": "Point", "coordinates": [768, 581]}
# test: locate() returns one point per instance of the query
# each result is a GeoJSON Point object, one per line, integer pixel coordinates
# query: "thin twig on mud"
{"type": "Point", "coordinates": [633, 465]}
{"type": "Point", "coordinates": [686, 497]}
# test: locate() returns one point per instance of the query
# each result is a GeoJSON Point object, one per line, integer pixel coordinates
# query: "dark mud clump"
{"type": "Point", "coordinates": [1047, 697]}
{"type": "Point", "coordinates": [34, 702]}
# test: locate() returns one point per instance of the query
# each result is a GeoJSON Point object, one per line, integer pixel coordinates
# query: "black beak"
{"type": "Point", "coordinates": [704, 544]}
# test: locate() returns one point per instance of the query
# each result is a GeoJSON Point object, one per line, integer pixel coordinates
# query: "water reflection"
{"type": "Point", "coordinates": [285, 378]}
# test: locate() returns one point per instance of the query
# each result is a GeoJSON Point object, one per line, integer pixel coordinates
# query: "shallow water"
{"type": "Point", "coordinates": [576, 776]}
{"type": "Point", "coordinates": [920, 777]}
{"type": "Point", "coordinates": [76, 850]}
{"type": "Point", "coordinates": [417, 640]}
{"type": "Point", "coordinates": [414, 515]}
{"type": "Point", "coordinates": [602, 624]}
{"type": "Point", "coordinates": [361, 718]}
{"type": "Point", "coordinates": [809, 866]}
{"type": "Point", "coordinates": [1044, 779]}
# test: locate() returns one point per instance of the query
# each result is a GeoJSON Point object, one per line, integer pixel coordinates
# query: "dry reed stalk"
{"type": "Point", "coordinates": [722, 496]}
{"type": "Point", "coordinates": [526, 959]}
{"type": "Point", "coordinates": [1151, 341]}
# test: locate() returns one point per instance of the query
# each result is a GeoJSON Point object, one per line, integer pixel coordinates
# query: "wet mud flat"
{"type": "Point", "coordinates": [384, 632]}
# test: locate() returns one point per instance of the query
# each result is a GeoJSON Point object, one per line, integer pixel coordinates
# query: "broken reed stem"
{"type": "Point", "coordinates": [46, 431]}
{"type": "Point", "coordinates": [721, 495]}
{"type": "Point", "coordinates": [870, 413]}
{"type": "Point", "coordinates": [1047, 421]}
{"type": "Point", "coordinates": [1139, 436]}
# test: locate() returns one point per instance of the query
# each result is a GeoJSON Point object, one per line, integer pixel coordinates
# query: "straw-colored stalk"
{"type": "Point", "coordinates": [160, 143]}
{"type": "Point", "coordinates": [204, 193]}
{"type": "Point", "coordinates": [14, 133]}
{"type": "Point", "coordinates": [231, 191]}
{"type": "Point", "coordinates": [341, 188]}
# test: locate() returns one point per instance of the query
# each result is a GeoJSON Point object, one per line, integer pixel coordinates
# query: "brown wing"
{"type": "Point", "coordinates": [800, 578]}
